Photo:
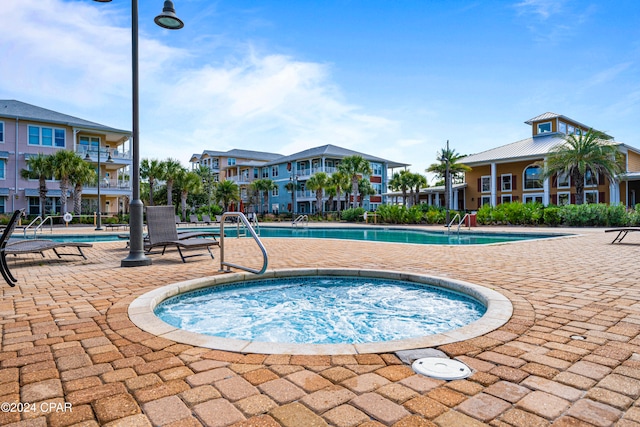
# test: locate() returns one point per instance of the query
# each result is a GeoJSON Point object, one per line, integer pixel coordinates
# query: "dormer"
{"type": "Point", "coordinates": [552, 123]}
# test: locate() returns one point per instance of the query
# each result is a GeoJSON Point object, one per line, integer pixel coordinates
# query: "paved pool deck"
{"type": "Point", "coordinates": [69, 349]}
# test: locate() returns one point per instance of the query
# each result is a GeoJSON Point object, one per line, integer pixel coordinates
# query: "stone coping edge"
{"type": "Point", "coordinates": [499, 311]}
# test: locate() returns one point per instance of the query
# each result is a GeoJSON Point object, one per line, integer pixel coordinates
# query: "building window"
{"type": "Point", "coordinates": [562, 127]}
{"type": "Point", "coordinates": [231, 161]}
{"type": "Point", "coordinates": [485, 200]}
{"type": "Point", "coordinates": [1, 131]}
{"type": "Point", "coordinates": [506, 182]}
{"type": "Point", "coordinates": [564, 198]}
{"type": "Point", "coordinates": [533, 198]}
{"type": "Point", "coordinates": [47, 137]}
{"type": "Point", "coordinates": [564, 181]}
{"type": "Point", "coordinates": [533, 178]}
{"type": "Point", "coordinates": [376, 169]}
{"type": "Point", "coordinates": [570, 129]}
{"type": "Point", "coordinates": [3, 168]}
{"type": "Point", "coordinates": [590, 179]}
{"type": "Point", "coordinates": [486, 184]}
{"type": "Point", "coordinates": [275, 192]}
{"type": "Point", "coordinates": [265, 172]}
{"type": "Point", "coordinates": [274, 171]}
{"type": "Point", "coordinates": [255, 173]}
{"type": "Point", "coordinates": [377, 188]}
{"type": "Point", "coordinates": [591, 197]}
{"type": "Point", "coordinates": [89, 144]}
{"type": "Point", "coordinates": [3, 205]}
{"type": "Point", "coordinates": [506, 198]}
{"type": "Point", "coordinates": [544, 127]}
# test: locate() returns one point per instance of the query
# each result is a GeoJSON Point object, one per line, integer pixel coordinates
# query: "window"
{"type": "Point", "coordinates": [562, 127]}
{"type": "Point", "coordinates": [485, 200]}
{"type": "Point", "coordinates": [89, 144]}
{"type": "Point", "coordinates": [544, 127]}
{"type": "Point", "coordinates": [3, 168]}
{"type": "Point", "coordinates": [45, 136]}
{"type": "Point", "coordinates": [590, 179]}
{"type": "Point", "coordinates": [376, 168]}
{"type": "Point", "coordinates": [506, 182]}
{"type": "Point", "coordinates": [570, 129]}
{"type": "Point", "coordinates": [255, 173]}
{"type": "Point", "coordinates": [506, 198]}
{"type": "Point", "coordinates": [564, 198]}
{"type": "Point", "coordinates": [533, 198]}
{"type": "Point", "coordinates": [591, 197]}
{"type": "Point", "coordinates": [275, 192]}
{"type": "Point", "coordinates": [265, 172]}
{"type": "Point", "coordinates": [377, 188]}
{"type": "Point", "coordinates": [231, 161]}
{"type": "Point", "coordinates": [1, 131]}
{"type": "Point", "coordinates": [3, 205]}
{"type": "Point", "coordinates": [486, 184]}
{"type": "Point", "coordinates": [532, 178]}
{"type": "Point", "coordinates": [564, 181]}
{"type": "Point", "coordinates": [274, 171]}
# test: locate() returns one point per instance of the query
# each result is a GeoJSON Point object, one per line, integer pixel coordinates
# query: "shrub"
{"type": "Point", "coordinates": [552, 216]}
{"type": "Point", "coordinates": [353, 215]}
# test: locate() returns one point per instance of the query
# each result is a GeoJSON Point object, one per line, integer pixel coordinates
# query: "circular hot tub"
{"type": "Point", "coordinates": [320, 311]}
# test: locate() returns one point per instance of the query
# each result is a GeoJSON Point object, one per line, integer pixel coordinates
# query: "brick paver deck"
{"type": "Point", "coordinates": [69, 350]}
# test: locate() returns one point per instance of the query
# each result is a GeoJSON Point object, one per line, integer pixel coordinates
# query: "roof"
{"type": "Point", "coordinates": [330, 150]}
{"type": "Point", "coordinates": [23, 111]}
{"type": "Point", "coordinates": [523, 149]}
{"type": "Point", "coordinates": [237, 153]}
{"type": "Point", "coordinates": [551, 116]}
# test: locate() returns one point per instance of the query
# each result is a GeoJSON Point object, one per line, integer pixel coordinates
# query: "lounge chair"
{"type": "Point", "coordinates": [193, 219]}
{"type": "Point", "coordinates": [179, 221]}
{"type": "Point", "coordinates": [622, 233]}
{"type": "Point", "coordinates": [4, 239]}
{"type": "Point", "coordinates": [207, 219]}
{"type": "Point", "coordinates": [34, 246]}
{"type": "Point", "coordinates": [162, 232]}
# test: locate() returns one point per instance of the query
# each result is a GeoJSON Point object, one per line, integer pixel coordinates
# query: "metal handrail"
{"type": "Point", "coordinates": [248, 226]}
{"type": "Point", "coordinates": [39, 226]}
{"type": "Point", "coordinates": [459, 224]}
{"type": "Point", "coordinates": [299, 219]}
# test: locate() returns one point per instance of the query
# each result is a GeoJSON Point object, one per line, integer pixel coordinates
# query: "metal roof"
{"type": "Point", "coordinates": [523, 149]}
{"type": "Point", "coordinates": [550, 116]}
{"type": "Point", "coordinates": [334, 151]}
{"type": "Point", "coordinates": [20, 110]}
{"type": "Point", "coordinates": [238, 153]}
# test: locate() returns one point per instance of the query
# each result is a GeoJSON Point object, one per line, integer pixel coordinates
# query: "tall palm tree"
{"type": "Point", "coordinates": [207, 181]}
{"type": "Point", "coordinates": [226, 192]}
{"type": "Point", "coordinates": [64, 163]}
{"type": "Point", "coordinates": [448, 158]}
{"type": "Point", "coordinates": [400, 182]}
{"type": "Point", "coordinates": [419, 181]}
{"type": "Point", "coordinates": [263, 187]}
{"type": "Point", "coordinates": [189, 182]}
{"type": "Point", "coordinates": [82, 174]}
{"type": "Point", "coordinates": [317, 183]}
{"type": "Point", "coordinates": [291, 187]}
{"type": "Point", "coordinates": [579, 154]}
{"type": "Point", "coordinates": [39, 167]}
{"type": "Point", "coordinates": [151, 170]}
{"type": "Point", "coordinates": [341, 182]}
{"type": "Point", "coordinates": [365, 189]}
{"type": "Point", "coordinates": [354, 167]}
{"type": "Point", "coordinates": [331, 192]}
{"type": "Point", "coordinates": [171, 169]}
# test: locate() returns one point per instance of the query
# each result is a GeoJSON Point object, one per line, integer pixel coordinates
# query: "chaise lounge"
{"type": "Point", "coordinates": [622, 233]}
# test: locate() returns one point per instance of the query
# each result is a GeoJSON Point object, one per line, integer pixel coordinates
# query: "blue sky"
{"type": "Point", "coordinates": [394, 79]}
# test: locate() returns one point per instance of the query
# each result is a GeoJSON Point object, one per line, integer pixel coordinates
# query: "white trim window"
{"type": "Point", "coordinates": [533, 198]}
{"type": "Point", "coordinates": [46, 136]}
{"type": "Point", "coordinates": [564, 198]}
{"type": "Point", "coordinates": [562, 127]}
{"type": "Point", "coordinates": [485, 200]}
{"type": "Point", "coordinates": [3, 204]}
{"type": "Point", "coordinates": [275, 192]}
{"type": "Point", "coordinates": [591, 196]}
{"type": "Point", "coordinates": [265, 173]}
{"type": "Point", "coordinates": [274, 171]}
{"type": "Point", "coordinates": [3, 169]}
{"type": "Point", "coordinates": [231, 161]}
{"type": "Point", "coordinates": [485, 184]}
{"type": "Point", "coordinates": [590, 179]}
{"type": "Point", "coordinates": [506, 198]}
{"type": "Point", "coordinates": [376, 169]}
{"type": "Point", "coordinates": [564, 180]}
{"type": "Point", "coordinates": [532, 178]}
{"type": "Point", "coordinates": [1, 131]}
{"type": "Point", "coordinates": [505, 180]}
{"type": "Point", "coordinates": [544, 127]}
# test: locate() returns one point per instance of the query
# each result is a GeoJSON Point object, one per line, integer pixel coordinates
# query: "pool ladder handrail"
{"type": "Point", "coordinates": [300, 219]}
{"type": "Point", "coordinates": [459, 224]}
{"type": "Point", "coordinates": [240, 217]}
{"type": "Point", "coordinates": [39, 226]}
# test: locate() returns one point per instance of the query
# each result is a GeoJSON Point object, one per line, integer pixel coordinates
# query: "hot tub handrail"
{"type": "Point", "coordinates": [240, 216]}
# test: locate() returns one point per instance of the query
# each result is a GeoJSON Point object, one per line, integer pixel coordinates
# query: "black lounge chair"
{"type": "Point", "coordinates": [193, 219]}
{"type": "Point", "coordinates": [162, 232]}
{"type": "Point", "coordinates": [4, 239]}
{"type": "Point", "coordinates": [622, 233]}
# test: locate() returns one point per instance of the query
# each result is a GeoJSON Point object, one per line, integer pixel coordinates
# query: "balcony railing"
{"type": "Point", "coordinates": [104, 153]}
{"type": "Point", "coordinates": [311, 171]}
{"type": "Point", "coordinates": [109, 184]}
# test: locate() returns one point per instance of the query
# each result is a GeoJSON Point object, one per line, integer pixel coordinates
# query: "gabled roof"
{"type": "Point", "coordinates": [334, 151]}
{"type": "Point", "coordinates": [237, 153]}
{"type": "Point", "coordinates": [20, 110]}
{"type": "Point", "coordinates": [550, 116]}
{"type": "Point", "coordinates": [524, 149]}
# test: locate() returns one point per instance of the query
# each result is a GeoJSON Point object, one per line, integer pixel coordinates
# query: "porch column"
{"type": "Point", "coordinates": [494, 185]}
{"type": "Point", "coordinates": [546, 187]}
{"type": "Point", "coordinates": [614, 193]}
{"type": "Point", "coordinates": [455, 200]}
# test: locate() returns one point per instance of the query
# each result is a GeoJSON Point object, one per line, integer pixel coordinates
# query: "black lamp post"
{"type": "Point", "coordinates": [167, 19]}
{"type": "Point", "coordinates": [447, 184]}
{"type": "Point", "coordinates": [109, 160]}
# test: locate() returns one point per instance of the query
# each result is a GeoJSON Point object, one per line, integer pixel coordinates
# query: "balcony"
{"type": "Point", "coordinates": [116, 155]}
{"type": "Point", "coordinates": [108, 185]}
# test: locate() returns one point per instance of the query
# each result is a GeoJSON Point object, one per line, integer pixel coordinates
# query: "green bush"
{"type": "Point", "coordinates": [552, 216]}
{"type": "Point", "coordinates": [353, 215]}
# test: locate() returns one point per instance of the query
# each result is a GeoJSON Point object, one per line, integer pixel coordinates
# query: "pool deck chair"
{"type": "Point", "coordinates": [35, 246]}
{"type": "Point", "coordinates": [4, 239]}
{"type": "Point", "coordinates": [207, 219]}
{"type": "Point", "coordinates": [162, 232]}
{"type": "Point", "coordinates": [622, 233]}
{"type": "Point", "coordinates": [193, 219]}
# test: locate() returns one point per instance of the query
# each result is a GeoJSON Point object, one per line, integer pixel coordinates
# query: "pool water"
{"type": "Point", "coordinates": [320, 310]}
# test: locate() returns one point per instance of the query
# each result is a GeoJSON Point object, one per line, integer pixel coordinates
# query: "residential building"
{"type": "Point", "coordinates": [27, 130]}
{"type": "Point", "coordinates": [244, 167]}
{"type": "Point", "coordinates": [512, 172]}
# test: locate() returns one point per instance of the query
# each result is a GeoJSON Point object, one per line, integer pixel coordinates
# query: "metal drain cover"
{"type": "Point", "coordinates": [442, 369]}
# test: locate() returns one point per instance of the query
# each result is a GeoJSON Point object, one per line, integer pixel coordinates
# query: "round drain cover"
{"type": "Point", "coordinates": [442, 369]}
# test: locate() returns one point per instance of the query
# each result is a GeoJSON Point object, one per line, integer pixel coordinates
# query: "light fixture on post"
{"type": "Point", "coordinates": [167, 19]}
{"type": "Point", "coordinates": [446, 158]}
{"type": "Point", "coordinates": [87, 158]}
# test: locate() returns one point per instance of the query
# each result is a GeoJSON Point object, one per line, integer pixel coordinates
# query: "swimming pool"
{"type": "Point", "coordinates": [373, 234]}
{"type": "Point", "coordinates": [498, 310]}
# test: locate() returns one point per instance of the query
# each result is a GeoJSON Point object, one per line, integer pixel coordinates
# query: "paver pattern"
{"type": "Point", "coordinates": [69, 349]}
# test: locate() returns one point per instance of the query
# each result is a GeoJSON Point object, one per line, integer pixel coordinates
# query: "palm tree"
{"type": "Point", "coordinates": [263, 186]}
{"type": "Point", "coordinates": [207, 181]}
{"type": "Point", "coordinates": [39, 167]}
{"type": "Point", "coordinates": [291, 187]}
{"type": "Point", "coordinates": [317, 183]}
{"type": "Point", "coordinates": [171, 169]}
{"type": "Point", "coordinates": [331, 192]}
{"type": "Point", "coordinates": [226, 192]}
{"type": "Point", "coordinates": [81, 175]}
{"type": "Point", "coordinates": [400, 182]}
{"type": "Point", "coordinates": [354, 167]}
{"type": "Point", "coordinates": [151, 170]}
{"type": "Point", "coordinates": [64, 163]}
{"type": "Point", "coordinates": [446, 167]}
{"type": "Point", "coordinates": [341, 182]}
{"type": "Point", "coordinates": [583, 153]}
{"type": "Point", "coordinates": [419, 181]}
{"type": "Point", "coordinates": [365, 189]}
{"type": "Point", "coordinates": [189, 182]}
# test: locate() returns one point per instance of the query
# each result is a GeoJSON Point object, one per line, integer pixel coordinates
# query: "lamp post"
{"type": "Point", "coordinates": [109, 160]}
{"type": "Point", "coordinates": [447, 184]}
{"type": "Point", "coordinates": [167, 19]}
{"type": "Point", "coordinates": [293, 179]}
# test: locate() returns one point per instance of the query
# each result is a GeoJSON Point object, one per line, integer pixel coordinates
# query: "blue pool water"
{"type": "Point", "coordinates": [320, 310]}
{"type": "Point", "coordinates": [381, 234]}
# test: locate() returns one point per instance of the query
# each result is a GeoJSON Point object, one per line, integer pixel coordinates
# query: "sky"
{"type": "Point", "coordinates": [390, 78]}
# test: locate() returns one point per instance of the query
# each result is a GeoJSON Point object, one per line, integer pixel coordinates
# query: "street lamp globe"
{"type": "Point", "coordinates": [168, 19]}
